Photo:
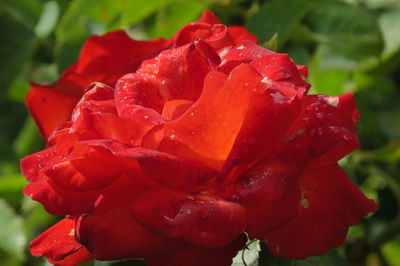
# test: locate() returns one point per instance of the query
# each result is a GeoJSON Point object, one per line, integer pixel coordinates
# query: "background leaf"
{"type": "Point", "coordinates": [12, 238]}
{"type": "Point", "coordinates": [277, 16]}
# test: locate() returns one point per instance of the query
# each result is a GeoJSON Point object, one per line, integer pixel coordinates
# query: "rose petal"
{"type": "Point", "coordinates": [167, 170]}
{"type": "Point", "coordinates": [325, 130]}
{"type": "Point", "coordinates": [239, 34]}
{"type": "Point", "coordinates": [100, 231]}
{"type": "Point", "coordinates": [51, 105]}
{"type": "Point", "coordinates": [274, 66]}
{"type": "Point", "coordinates": [264, 182]}
{"type": "Point", "coordinates": [49, 108]}
{"type": "Point", "coordinates": [269, 191]}
{"type": "Point", "coordinates": [85, 169]}
{"type": "Point", "coordinates": [175, 108]}
{"type": "Point", "coordinates": [265, 217]}
{"type": "Point", "coordinates": [58, 201]}
{"type": "Point", "coordinates": [116, 53]}
{"type": "Point", "coordinates": [96, 113]}
{"type": "Point", "coordinates": [57, 242]}
{"type": "Point", "coordinates": [102, 59]}
{"type": "Point", "coordinates": [215, 35]}
{"type": "Point", "coordinates": [209, 18]}
{"type": "Point", "coordinates": [209, 133]}
{"type": "Point", "coordinates": [32, 164]}
{"type": "Point", "coordinates": [80, 256]}
{"type": "Point", "coordinates": [201, 220]}
{"type": "Point", "coordinates": [195, 256]}
{"type": "Point", "coordinates": [330, 204]}
{"type": "Point", "coordinates": [205, 132]}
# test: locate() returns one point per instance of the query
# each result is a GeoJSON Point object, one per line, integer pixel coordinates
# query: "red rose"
{"type": "Point", "coordinates": [208, 137]}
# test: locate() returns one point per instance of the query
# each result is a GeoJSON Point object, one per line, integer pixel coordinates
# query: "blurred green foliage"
{"type": "Point", "coordinates": [349, 46]}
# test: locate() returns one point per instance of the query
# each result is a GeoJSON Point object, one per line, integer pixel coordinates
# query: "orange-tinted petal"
{"type": "Point", "coordinates": [211, 130]}
{"type": "Point", "coordinates": [175, 108]}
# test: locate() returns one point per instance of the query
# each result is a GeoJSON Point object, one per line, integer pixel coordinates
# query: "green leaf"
{"type": "Point", "coordinates": [391, 250]}
{"type": "Point", "coordinates": [36, 218]}
{"type": "Point", "coordinates": [18, 89]}
{"type": "Point", "coordinates": [12, 239]}
{"type": "Point", "coordinates": [16, 48]}
{"type": "Point", "coordinates": [11, 186]}
{"type": "Point", "coordinates": [329, 259]}
{"type": "Point", "coordinates": [272, 44]}
{"type": "Point", "coordinates": [299, 54]}
{"type": "Point", "coordinates": [349, 37]}
{"type": "Point", "coordinates": [389, 23]}
{"type": "Point", "coordinates": [326, 81]}
{"type": "Point", "coordinates": [48, 19]}
{"type": "Point", "coordinates": [277, 16]}
{"type": "Point", "coordinates": [28, 140]}
{"type": "Point", "coordinates": [249, 255]}
{"type": "Point", "coordinates": [26, 12]}
{"type": "Point", "coordinates": [134, 11]}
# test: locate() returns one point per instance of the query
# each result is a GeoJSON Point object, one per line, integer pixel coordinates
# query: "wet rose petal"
{"type": "Point", "coordinates": [57, 242]}
{"type": "Point", "coordinates": [201, 220]}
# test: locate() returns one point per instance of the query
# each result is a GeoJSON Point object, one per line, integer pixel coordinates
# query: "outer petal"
{"type": "Point", "coordinates": [102, 59]}
{"type": "Point", "coordinates": [239, 34]}
{"type": "Point", "coordinates": [330, 204]}
{"type": "Point", "coordinates": [49, 107]}
{"type": "Point", "coordinates": [80, 256]}
{"type": "Point", "coordinates": [85, 169]}
{"type": "Point", "coordinates": [116, 53]}
{"type": "Point", "coordinates": [201, 220]}
{"type": "Point", "coordinates": [209, 18]}
{"type": "Point", "coordinates": [101, 232]}
{"type": "Point", "coordinates": [325, 130]}
{"type": "Point", "coordinates": [58, 201]}
{"type": "Point", "coordinates": [195, 256]}
{"type": "Point", "coordinates": [269, 191]}
{"type": "Point", "coordinates": [57, 242]}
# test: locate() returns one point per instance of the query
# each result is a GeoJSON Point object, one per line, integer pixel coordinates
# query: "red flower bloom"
{"type": "Point", "coordinates": [186, 145]}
